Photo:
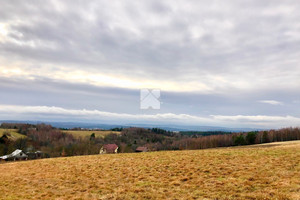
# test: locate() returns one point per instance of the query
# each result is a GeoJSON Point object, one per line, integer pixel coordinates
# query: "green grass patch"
{"type": "Point", "coordinates": [84, 133]}
{"type": "Point", "coordinates": [11, 133]}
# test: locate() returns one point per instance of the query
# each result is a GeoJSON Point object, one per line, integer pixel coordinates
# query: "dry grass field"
{"type": "Point", "coordinates": [270, 171]}
{"type": "Point", "coordinates": [12, 133]}
{"type": "Point", "coordinates": [84, 133]}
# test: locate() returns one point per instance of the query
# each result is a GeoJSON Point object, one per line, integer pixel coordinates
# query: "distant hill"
{"type": "Point", "coordinates": [169, 127]}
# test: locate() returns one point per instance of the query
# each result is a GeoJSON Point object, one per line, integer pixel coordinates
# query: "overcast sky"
{"type": "Point", "coordinates": [217, 63]}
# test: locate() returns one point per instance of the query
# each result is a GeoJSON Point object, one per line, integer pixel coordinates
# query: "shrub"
{"type": "Point", "coordinates": [92, 137]}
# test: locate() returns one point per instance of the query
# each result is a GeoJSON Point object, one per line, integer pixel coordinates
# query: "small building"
{"type": "Point", "coordinates": [35, 155]}
{"type": "Point", "coordinates": [141, 149]}
{"type": "Point", "coordinates": [39, 154]}
{"type": "Point", "coordinates": [16, 155]}
{"type": "Point", "coordinates": [109, 148]}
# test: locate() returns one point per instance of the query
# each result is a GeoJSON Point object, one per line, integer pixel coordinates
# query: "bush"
{"type": "Point", "coordinates": [92, 137]}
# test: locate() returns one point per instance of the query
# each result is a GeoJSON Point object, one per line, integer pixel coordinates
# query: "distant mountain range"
{"type": "Point", "coordinates": [170, 127]}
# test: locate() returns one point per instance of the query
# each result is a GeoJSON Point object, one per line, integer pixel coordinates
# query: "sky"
{"type": "Point", "coordinates": [216, 63]}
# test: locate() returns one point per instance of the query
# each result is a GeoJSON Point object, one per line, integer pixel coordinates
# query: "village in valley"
{"type": "Point", "coordinates": [36, 141]}
{"type": "Point", "coordinates": [19, 154]}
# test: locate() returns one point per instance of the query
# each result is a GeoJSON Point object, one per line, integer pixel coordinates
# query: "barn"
{"type": "Point", "coordinates": [141, 149]}
{"type": "Point", "coordinates": [16, 155]}
{"type": "Point", "coordinates": [109, 148]}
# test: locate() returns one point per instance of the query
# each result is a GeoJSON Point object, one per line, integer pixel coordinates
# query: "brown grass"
{"type": "Point", "coordinates": [225, 173]}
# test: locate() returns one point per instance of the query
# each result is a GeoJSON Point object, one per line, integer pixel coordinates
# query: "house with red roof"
{"type": "Point", "coordinates": [109, 148]}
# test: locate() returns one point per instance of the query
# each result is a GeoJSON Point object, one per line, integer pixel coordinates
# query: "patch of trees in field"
{"type": "Point", "coordinates": [55, 142]}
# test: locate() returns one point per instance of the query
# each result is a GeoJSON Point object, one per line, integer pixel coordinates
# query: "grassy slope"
{"type": "Point", "coordinates": [88, 133]}
{"type": "Point", "coordinates": [260, 172]}
{"type": "Point", "coordinates": [13, 133]}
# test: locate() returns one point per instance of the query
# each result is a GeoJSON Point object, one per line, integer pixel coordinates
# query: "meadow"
{"type": "Point", "coordinates": [269, 171]}
{"type": "Point", "coordinates": [87, 133]}
{"type": "Point", "coordinates": [11, 133]}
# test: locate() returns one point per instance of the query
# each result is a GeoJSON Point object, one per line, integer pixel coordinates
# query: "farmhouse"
{"type": "Point", "coordinates": [141, 149]}
{"type": "Point", "coordinates": [109, 148]}
{"type": "Point", "coordinates": [16, 155]}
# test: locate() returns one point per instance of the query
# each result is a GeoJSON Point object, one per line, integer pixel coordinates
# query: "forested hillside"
{"type": "Point", "coordinates": [55, 142]}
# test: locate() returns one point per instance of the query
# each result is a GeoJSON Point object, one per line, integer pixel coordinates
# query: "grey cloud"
{"type": "Point", "coordinates": [49, 92]}
{"type": "Point", "coordinates": [74, 35]}
{"type": "Point", "coordinates": [245, 51]}
{"type": "Point", "coordinates": [76, 96]}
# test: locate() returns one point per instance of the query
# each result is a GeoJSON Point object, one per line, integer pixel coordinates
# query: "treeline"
{"type": "Point", "coordinates": [55, 142]}
{"type": "Point", "coordinates": [203, 133]}
{"type": "Point", "coordinates": [235, 139]}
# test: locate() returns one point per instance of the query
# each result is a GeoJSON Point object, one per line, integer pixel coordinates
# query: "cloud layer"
{"type": "Point", "coordinates": [209, 58]}
{"type": "Point", "coordinates": [55, 113]}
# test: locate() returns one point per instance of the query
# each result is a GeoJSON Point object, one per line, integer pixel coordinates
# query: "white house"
{"type": "Point", "coordinates": [109, 148]}
{"type": "Point", "coordinates": [16, 155]}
